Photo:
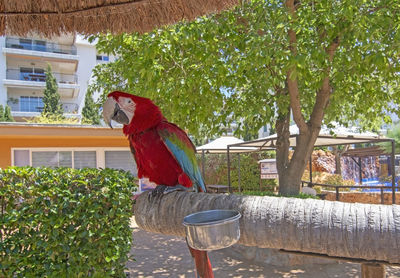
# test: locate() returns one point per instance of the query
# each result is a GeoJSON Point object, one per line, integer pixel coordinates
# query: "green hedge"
{"type": "Point", "coordinates": [216, 170]}
{"type": "Point", "coordinates": [64, 222]}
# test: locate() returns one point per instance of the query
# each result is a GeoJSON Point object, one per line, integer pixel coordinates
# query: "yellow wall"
{"type": "Point", "coordinates": [8, 142]}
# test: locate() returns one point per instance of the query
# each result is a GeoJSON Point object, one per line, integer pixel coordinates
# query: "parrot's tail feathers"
{"type": "Point", "coordinates": [201, 186]}
{"type": "Point", "coordinates": [203, 265]}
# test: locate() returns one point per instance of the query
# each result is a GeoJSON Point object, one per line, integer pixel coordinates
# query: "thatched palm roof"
{"type": "Point", "coordinates": [53, 17]}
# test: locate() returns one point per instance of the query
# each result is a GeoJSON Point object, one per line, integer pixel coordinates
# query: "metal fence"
{"type": "Point", "coordinates": [337, 187]}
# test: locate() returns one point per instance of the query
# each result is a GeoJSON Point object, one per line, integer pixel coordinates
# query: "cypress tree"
{"type": "Point", "coordinates": [90, 112]}
{"type": "Point", "coordinates": [51, 97]}
{"type": "Point", "coordinates": [7, 115]}
{"type": "Point", "coordinates": [1, 113]}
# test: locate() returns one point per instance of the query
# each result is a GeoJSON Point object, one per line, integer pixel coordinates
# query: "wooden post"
{"type": "Point", "coordinates": [393, 170]}
{"type": "Point", "coordinates": [229, 171]}
{"type": "Point", "coordinates": [382, 197]}
{"type": "Point", "coordinates": [372, 270]}
{"type": "Point", "coordinates": [337, 193]}
{"type": "Point", "coordinates": [260, 177]}
{"type": "Point", "coordinates": [203, 171]}
{"type": "Point", "coordinates": [310, 185]}
{"type": "Point", "coordinates": [239, 173]}
{"type": "Point", "coordinates": [360, 169]}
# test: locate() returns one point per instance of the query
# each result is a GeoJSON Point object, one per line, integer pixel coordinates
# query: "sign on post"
{"type": "Point", "coordinates": [268, 169]}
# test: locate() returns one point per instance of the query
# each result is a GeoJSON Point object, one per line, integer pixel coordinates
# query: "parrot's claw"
{"type": "Point", "coordinates": [163, 189]}
{"type": "Point", "coordinates": [158, 190]}
{"type": "Point", "coordinates": [178, 187]}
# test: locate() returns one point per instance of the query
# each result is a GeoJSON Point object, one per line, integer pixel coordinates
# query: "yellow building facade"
{"type": "Point", "coordinates": [75, 146]}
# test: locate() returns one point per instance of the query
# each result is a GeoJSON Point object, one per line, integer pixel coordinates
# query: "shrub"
{"type": "Point", "coordinates": [64, 222]}
{"type": "Point", "coordinates": [328, 179]}
{"type": "Point", "coordinates": [216, 170]}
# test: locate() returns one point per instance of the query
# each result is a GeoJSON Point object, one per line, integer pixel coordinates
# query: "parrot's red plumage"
{"type": "Point", "coordinates": [163, 152]}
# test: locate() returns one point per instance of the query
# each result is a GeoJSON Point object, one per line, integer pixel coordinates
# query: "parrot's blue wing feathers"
{"type": "Point", "coordinates": [183, 150]}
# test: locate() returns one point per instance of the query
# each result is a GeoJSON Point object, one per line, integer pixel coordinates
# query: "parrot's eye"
{"type": "Point", "coordinates": [129, 101]}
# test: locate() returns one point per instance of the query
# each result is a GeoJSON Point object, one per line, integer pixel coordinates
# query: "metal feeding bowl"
{"type": "Point", "coordinates": [212, 229]}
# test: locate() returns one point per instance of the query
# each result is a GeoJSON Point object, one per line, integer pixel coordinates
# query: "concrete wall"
{"type": "Point", "coordinates": [3, 69]}
{"type": "Point", "coordinates": [87, 61]}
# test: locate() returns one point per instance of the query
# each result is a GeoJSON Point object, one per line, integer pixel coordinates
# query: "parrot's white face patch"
{"type": "Point", "coordinates": [128, 106]}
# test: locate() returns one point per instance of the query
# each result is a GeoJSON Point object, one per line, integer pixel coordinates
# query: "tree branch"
{"type": "Point", "coordinates": [293, 86]}
{"type": "Point", "coordinates": [323, 95]}
{"type": "Point", "coordinates": [317, 226]}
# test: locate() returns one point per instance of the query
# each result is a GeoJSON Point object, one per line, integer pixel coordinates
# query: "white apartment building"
{"type": "Point", "coordinates": [23, 62]}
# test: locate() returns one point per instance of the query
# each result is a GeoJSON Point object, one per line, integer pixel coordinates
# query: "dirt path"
{"type": "Point", "coordinates": [158, 255]}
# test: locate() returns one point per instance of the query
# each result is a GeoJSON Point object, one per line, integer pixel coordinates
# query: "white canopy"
{"type": "Point", "coordinates": [327, 137]}
{"type": "Point", "coordinates": [220, 145]}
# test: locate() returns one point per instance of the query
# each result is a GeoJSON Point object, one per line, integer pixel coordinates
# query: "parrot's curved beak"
{"type": "Point", "coordinates": [112, 111]}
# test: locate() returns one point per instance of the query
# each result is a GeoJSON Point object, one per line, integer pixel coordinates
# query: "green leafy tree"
{"type": "Point", "coordinates": [394, 133]}
{"type": "Point", "coordinates": [51, 98]}
{"type": "Point", "coordinates": [7, 115]}
{"type": "Point", "coordinates": [263, 63]}
{"type": "Point", "coordinates": [90, 111]}
{"type": "Point", "coordinates": [2, 113]}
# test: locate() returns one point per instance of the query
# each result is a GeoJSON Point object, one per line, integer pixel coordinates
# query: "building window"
{"type": "Point", "coordinates": [21, 158]}
{"type": "Point", "coordinates": [32, 74]}
{"type": "Point", "coordinates": [78, 158]}
{"type": "Point", "coordinates": [51, 159]}
{"type": "Point", "coordinates": [102, 58]}
{"type": "Point", "coordinates": [85, 159]}
{"type": "Point", "coordinates": [120, 160]}
{"type": "Point", "coordinates": [26, 43]}
{"type": "Point", "coordinates": [31, 104]}
{"type": "Point", "coordinates": [38, 45]}
{"type": "Point", "coordinates": [55, 158]}
{"type": "Point", "coordinates": [81, 159]}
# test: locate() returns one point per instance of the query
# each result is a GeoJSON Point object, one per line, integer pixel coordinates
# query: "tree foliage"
{"type": "Point", "coordinates": [5, 114]}
{"type": "Point", "coordinates": [319, 61]}
{"type": "Point", "coordinates": [232, 63]}
{"type": "Point", "coordinates": [90, 111]}
{"type": "Point", "coordinates": [51, 97]}
{"type": "Point", "coordinates": [53, 119]}
{"type": "Point", "coordinates": [2, 113]}
{"type": "Point", "coordinates": [394, 133]}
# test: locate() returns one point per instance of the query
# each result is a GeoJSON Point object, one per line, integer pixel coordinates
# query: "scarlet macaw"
{"type": "Point", "coordinates": [163, 152]}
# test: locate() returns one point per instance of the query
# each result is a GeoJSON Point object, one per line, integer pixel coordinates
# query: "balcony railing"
{"type": "Point", "coordinates": [43, 46]}
{"type": "Point", "coordinates": [35, 105]}
{"type": "Point", "coordinates": [16, 74]}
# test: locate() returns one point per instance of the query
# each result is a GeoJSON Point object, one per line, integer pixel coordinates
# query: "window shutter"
{"type": "Point", "coordinates": [46, 159]}
{"type": "Point", "coordinates": [21, 157]}
{"type": "Point", "coordinates": [121, 160]}
{"type": "Point", "coordinates": [65, 159]}
{"type": "Point", "coordinates": [85, 159]}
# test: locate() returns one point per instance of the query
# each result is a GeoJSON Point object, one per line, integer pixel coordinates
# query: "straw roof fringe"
{"type": "Point", "coordinates": [53, 17]}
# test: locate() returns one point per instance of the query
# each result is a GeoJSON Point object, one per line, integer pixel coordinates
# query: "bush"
{"type": "Point", "coordinates": [64, 222]}
{"type": "Point", "coordinates": [328, 179]}
{"type": "Point", "coordinates": [216, 170]}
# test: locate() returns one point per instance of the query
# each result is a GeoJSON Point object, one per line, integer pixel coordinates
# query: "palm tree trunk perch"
{"type": "Point", "coordinates": [336, 229]}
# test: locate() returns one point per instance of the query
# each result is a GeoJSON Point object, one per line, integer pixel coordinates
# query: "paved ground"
{"type": "Point", "coordinates": [167, 256]}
